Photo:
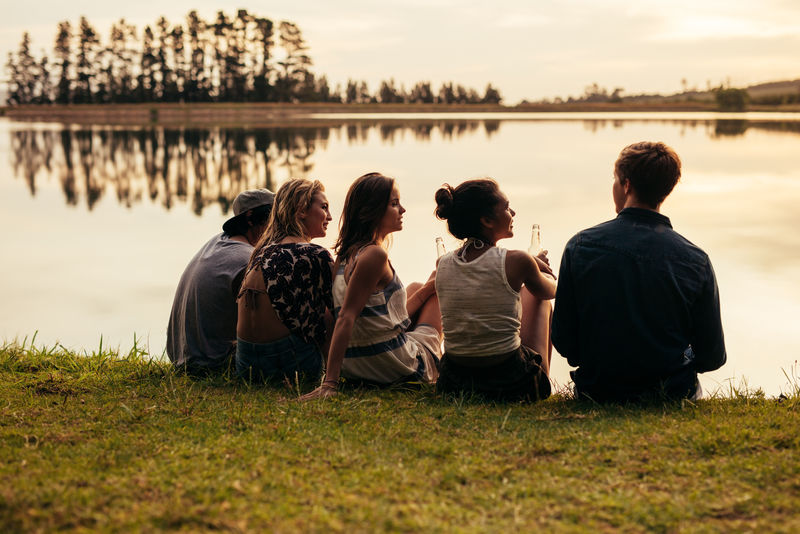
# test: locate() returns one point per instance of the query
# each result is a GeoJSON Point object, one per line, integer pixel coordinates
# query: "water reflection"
{"type": "Point", "coordinates": [203, 167]}
{"type": "Point", "coordinates": [198, 166]}
{"type": "Point", "coordinates": [117, 268]}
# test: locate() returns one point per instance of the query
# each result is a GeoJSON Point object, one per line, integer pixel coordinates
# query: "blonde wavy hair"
{"type": "Point", "coordinates": [292, 197]}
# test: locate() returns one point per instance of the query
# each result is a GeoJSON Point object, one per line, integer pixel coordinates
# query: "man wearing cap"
{"type": "Point", "coordinates": [637, 306]}
{"type": "Point", "coordinates": [201, 334]}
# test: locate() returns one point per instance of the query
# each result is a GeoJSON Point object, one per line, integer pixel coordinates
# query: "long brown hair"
{"type": "Point", "coordinates": [364, 207]}
{"type": "Point", "coordinates": [292, 197]}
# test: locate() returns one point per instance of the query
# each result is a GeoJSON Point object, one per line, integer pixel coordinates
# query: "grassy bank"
{"type": "Point", "coordinates": [220, 114]}
{"type": "Point", "coordinates": [108, 441]}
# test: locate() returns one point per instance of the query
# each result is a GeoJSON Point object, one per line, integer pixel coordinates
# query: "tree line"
{"type": "Point", "coordinates": [240, 58]}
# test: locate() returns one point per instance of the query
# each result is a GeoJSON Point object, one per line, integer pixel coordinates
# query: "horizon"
{"type": "Point", "coordinates": [527, 53]}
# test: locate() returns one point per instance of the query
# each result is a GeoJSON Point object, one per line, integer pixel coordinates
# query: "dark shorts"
{"type": "Point", "coordinates": [289, 357]}
{"type": "Point", "coordinates": [515, 376]}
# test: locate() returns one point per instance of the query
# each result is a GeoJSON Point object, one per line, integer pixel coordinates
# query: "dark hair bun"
{"type": "Point", "coordinates": [444, 202]}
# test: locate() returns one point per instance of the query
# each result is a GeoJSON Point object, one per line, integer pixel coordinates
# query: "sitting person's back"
{"type": "Point", "coordinates": [201, 333]}
{"type": "Point", "coordinates": [494, 302]}
{"type": "Point", "coordinates": [480, 310]}
{"type": "Point", "coordinates": [637, 308]}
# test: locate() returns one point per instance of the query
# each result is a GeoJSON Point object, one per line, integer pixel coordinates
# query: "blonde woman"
{"type": "Point", "coordinates": [285, 300]}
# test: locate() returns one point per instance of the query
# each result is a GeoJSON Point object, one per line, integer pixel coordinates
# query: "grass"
{"type": "Point", "coordinates": [107, 441]}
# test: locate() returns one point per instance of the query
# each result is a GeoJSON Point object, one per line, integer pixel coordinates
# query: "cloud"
{"type": "Point", "coordinates": [695, 28]}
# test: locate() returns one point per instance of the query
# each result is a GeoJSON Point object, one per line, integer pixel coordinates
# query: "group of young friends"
{"type": "Point", "coordinates": [636, 304]}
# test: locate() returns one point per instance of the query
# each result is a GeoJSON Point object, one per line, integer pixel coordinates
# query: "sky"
{"type": "Point", "coordinates": [529, 50]}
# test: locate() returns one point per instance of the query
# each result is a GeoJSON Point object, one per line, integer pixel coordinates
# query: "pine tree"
{"type": "Point", "coordinates": [491, 95]}
{"type": "Point", "coordinates": [63, 53]}
{"type": "Point", "coordinates": [295, 65]}
{"type": "Point", "coordinates": [87, 55]}
{"type": "Point", "coordinates": [145, 82]}
{"type": "Point", "coordinates": [262, 84]}
{"type": "Point", "coordinates": [23, 74]}
{"type": "Point", "coordinates": [195, 89]}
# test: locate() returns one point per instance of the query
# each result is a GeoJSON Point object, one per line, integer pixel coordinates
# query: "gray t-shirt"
{"type": "Point", "coordinates": [202, 324]}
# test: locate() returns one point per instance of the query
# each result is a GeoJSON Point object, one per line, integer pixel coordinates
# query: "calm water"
{"type": "Point", "coordinates": [99, 223]}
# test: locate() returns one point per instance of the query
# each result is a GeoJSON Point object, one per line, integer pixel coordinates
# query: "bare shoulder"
{"type": "Point", "coordinates": [373, 256]}
{"type": "Point", "coordinates": [518, 258]}
{"type": "Point", "coordinates": [520, 266]}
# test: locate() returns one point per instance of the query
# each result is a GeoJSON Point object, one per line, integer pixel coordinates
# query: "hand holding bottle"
{"type": "Point", "coordinates": [539, 254]}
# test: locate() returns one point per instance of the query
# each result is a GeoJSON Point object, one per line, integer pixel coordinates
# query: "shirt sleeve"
{"type": "Point", "coordinates": [565, 332]}
{"type": "Point", "coordinates": [707, 339]}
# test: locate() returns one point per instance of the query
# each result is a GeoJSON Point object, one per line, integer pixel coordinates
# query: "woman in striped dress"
{"type": "Point", "coordinates": [382, 334]}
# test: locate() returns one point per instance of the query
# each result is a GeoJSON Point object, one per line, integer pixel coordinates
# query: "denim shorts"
{"type": "Point", "coordinates": [289, 357]}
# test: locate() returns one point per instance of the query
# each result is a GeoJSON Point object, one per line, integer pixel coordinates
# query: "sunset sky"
{"type": "Point", "coordinates": [529, 50]}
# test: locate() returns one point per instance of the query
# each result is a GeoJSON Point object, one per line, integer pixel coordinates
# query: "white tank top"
{"type": "Point", "coordinates": [480, 312]}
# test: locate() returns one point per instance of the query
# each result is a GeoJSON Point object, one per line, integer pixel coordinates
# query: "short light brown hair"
{"type": "Point", "coordinates": [653, 169]}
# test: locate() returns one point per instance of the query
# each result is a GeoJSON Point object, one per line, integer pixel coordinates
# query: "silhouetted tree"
{"type": "Point", "coordinates": [63, 54]}
{"type": "Point", "coordinates": [145, 90]}
{"type": "Point", "coordinates": [23, 74]}
{"type": "Point", "coordinates": [731, 99]}
{"type": "Point", "coordinates": [351, 92]}
{"type": "Point", "coordinates": [86, 62]}
{"type": "Point", "coordinates": [491, 95]}
{"type": "Point", "coordinates": [295, 65]}
{"type": "Point", "coordinates": [45, 95]}
{"type": "Point", "coordinates": [421, 93]}
{"type": "Point", "coordinates": [180, 63]}
{"type": "Point", "coordinates": [447, 94]}
{"type": "Point", "coordinates": [165, 87]}
{"type": "Point", "coordinates": [262, 86]}
{"type": "Point", "coordinates": [388, 93]}
{"type": "Point", "coordinates": [195, 88]}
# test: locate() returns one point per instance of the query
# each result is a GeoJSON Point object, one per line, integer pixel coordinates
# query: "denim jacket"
{"type": "Point", "coordinates": [637, 309]}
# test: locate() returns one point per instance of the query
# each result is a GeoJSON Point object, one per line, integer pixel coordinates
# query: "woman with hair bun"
{"type": "Point", "coordinates": [374, 338]}
{"type": "Point", "coordinates": [282, 327]}
{"type": "Point", "coordinates": [494, 302]}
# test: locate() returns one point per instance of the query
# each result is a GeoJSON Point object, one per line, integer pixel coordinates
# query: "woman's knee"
{"type": "Point", "coordinates": [431, 314]}
{"type": "Point", "coordinates": [413, 287]}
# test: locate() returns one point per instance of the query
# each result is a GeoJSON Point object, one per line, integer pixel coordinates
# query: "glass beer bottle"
{"type": "Point", "coordinates": [440, 249]}
{"type": "Point", "coordinates": [536, 240]}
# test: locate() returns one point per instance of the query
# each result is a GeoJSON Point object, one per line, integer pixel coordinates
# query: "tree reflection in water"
{"type": "Point", "coordinates": [201, 167]}
{"type": "Point", "coordinates": [206, 166]}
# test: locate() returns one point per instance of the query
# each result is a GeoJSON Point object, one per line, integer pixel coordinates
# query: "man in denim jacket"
{"type": "Point", "coordinates": [637, 307]}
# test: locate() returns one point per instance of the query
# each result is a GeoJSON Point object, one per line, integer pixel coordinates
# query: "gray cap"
{"type": "Point", "coordinates": [246, 201]}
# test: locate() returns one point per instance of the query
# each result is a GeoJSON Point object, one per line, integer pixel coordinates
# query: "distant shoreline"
{"type": "Point", "coordinates": [279, 113]}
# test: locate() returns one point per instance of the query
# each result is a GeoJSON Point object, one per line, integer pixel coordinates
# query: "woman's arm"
{"type": "Point", "coordinates": [373, 262]}
{"type": "Point", "coordinates": [415, 301]}
{"type": "Point", "coordinates": [522, 268]}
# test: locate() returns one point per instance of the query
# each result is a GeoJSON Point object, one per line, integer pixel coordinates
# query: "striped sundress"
{"type": "Point", "coordinates": [381, 347]}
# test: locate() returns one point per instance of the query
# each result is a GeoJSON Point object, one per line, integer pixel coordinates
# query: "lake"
{"type": "Point", "coordinates": [100, 222]}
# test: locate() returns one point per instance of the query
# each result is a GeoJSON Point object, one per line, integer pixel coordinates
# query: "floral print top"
{"type": "Point", "coordinates": [299, 284]}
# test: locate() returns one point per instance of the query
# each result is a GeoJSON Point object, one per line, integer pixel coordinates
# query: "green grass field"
{"type": "Point", "coordinates": [107, 441]}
